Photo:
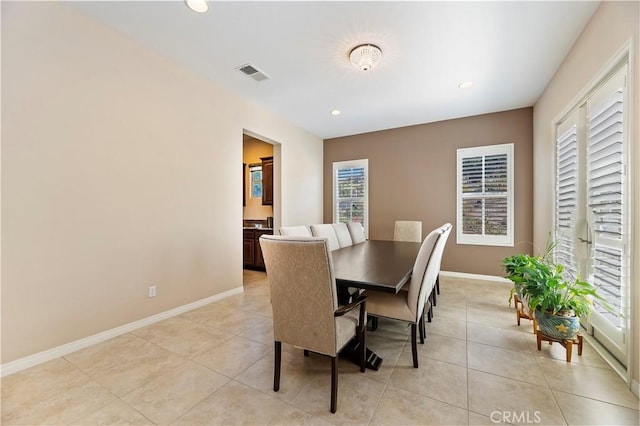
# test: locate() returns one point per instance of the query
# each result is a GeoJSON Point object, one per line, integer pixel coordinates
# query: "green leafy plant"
{"type": "Point", "coordinates": [525, 270]}
{"type": "Point", "coordinates": [558, 295]}
{"type": "Point", "coordinates": [548, 287]}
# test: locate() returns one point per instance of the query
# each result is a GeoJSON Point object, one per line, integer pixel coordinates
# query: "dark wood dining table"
{"type": "Point", "coordinates": [373, 265]}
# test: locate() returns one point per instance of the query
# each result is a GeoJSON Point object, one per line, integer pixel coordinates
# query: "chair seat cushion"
{"type": "Point", "coordinates": [389, 305]}
{"type": "Point", "coordinates": [346, 328]}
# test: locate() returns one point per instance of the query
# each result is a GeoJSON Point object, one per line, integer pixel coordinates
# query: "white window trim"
{"type": "Point", "coordinates": [485, 240]}
{"type": "Point", "coordinates": [364, 163]}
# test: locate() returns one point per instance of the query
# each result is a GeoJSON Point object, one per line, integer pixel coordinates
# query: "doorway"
{"type": "Point", "coordinates": [593, 205]}
{"type": "Point", "coordinates": [261, 197]}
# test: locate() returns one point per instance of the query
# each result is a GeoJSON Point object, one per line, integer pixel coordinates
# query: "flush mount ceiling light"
{"type": "Point", "coordinates": [365, 56]}
{"type": "Point", "coordinates": [335, 112]}
{"type": "Point", "coordinates": [466, 85]}
{"type": "Point", "coordinates": [199, 6]}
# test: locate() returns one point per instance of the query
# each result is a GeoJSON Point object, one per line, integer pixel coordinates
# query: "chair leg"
{"type": "Point", "coordinates": [306, 352]}
{"type": "Point", "coordinates": [421, 328]}
{"type": "Point", "coordinates": [438, 284]}
{"type": "Point", "coordinates": [414, 344]}
{"type": "Point", "coordinates": [276, 374]}
{"type": "Point", "coordinates": [334, 384]}
{"type": "Point", "coordinates": [434, 297]}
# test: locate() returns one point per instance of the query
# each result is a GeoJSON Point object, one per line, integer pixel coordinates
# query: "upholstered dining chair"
{"type": "Point", "coordinates": [408, 306]}
{"type": "Point", "coordinates": [446, 230]}
{"type": "Point", "coordinates": [305, 305]}
{"type": "Point", "coordinates": [327, 231]}
{"type": "Point", "coordinates": [342, 233]}
{"type": "Point", "coordinates": [301, 231]}
{"type": "Point", "coordinates": [408, 230]}
{"type": "Point", "coordinates": [357, 232]}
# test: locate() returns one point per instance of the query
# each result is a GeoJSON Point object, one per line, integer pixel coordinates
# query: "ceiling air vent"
{"type": "Point", "coordinates": [253, 72]}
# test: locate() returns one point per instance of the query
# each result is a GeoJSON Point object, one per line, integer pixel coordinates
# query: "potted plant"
{"type": "Point", "coordinates": [557, 298]}
{"type": "Point", "coordinates": [559, 303]}
{"type": "Point", "coordinates": [522, 268]}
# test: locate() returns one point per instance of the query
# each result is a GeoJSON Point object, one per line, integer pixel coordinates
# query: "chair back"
{"type": "Point", "coordinates": [343, 235]}
{"type": "Point", "coordinates": [433, 267]}
{"type": "Point", "coordinates": [446, 228]}
{"type": "Point", "coordinates": [407, 230]}
{"type": "Point", "coordinates": [357, 232]}
{"type": "Point", "coordinates": [326, 230]}
{"type": "Point", "coordinates": [417, 283]}
{"type": "Point", "coordinates": [303, 291]}
{"type": "Point", "coordinates": [300, 231]}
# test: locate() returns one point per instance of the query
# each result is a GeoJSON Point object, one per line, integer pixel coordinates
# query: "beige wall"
{"type": "Point", "coordinates": [412, 176]}
{"type": "Point", "coordinates": [612, 25]}
{"type": "Point", "coordinates": [253, 151]}
{"type": "Point", "coordinates": [120, 170]}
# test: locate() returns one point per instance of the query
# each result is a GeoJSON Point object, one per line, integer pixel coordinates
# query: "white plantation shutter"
{"type": "Point", "coordinates": [350, 192]}
{"type": "Point", "coordinates": [593, 203]}
{"type": "Point", "coordinates": [485, 195]}
{"type": "Point", "coordinates": [607, 189]}
{"type": "Point", "coordinates": [566, 193]}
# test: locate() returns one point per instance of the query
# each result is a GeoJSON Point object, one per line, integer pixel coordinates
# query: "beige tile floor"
{"type": "Point", "coordinates": [214, 366]}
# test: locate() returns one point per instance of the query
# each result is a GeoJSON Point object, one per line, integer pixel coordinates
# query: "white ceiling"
{"type": "Point", "coordinates": [510, 50]}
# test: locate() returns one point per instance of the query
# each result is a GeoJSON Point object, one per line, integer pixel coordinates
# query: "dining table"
{"type": "Point", "coordinates": [377, 265]}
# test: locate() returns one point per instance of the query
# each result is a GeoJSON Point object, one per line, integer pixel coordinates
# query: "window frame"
{"type": "Point", "coordinates": [253, 169]}
{"type": "Point", "coordinates": [351, 164]}
{"type": "Point", "coordinates": [484, 239]}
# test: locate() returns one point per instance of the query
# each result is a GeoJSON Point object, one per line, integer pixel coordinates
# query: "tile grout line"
{"type": "Point", "coordinates": [117, 398]}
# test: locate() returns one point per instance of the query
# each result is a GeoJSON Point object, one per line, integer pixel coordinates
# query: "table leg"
{"type": "Point", "coordinates": [352, 352]}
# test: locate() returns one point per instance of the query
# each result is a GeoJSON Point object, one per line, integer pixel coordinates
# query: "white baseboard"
{"type": "Point", "coordinates": [67, 348]}
{"type": "Point", "coordinates": [635, 388]}
{"type": "Point", "coordinates": [474, 276]}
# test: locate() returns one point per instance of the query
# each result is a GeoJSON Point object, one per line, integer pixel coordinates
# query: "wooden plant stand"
{"type": "Point", "coordinates": [521, 313]}
{"type": "Point", "coordinates": [567, 343]}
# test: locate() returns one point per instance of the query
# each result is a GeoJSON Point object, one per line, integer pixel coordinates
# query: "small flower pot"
{"type": "Point", "coordinates": [558, 326]}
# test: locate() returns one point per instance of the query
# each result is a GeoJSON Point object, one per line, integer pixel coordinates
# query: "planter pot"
{"type": "Point", "coordinates": [558, 326]}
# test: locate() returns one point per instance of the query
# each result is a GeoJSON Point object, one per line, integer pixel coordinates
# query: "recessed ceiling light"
{"type": "Point", "coordinates": [465, 84]}
{"type": "Point", "coordinates": [336, 112]}
{"type": "Point", "coordinates": [199, 6]}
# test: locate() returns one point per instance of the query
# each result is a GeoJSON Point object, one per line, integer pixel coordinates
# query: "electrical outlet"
{"type": "Point", "coordinates": [152, 291]}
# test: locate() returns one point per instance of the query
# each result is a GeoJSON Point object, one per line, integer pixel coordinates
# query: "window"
{"type": "Point", "coordinates": [255, 171]}
{"type": "Point", "coordinates": [485, 195]}
{"type": "Point", "coordinates": [351, 192]}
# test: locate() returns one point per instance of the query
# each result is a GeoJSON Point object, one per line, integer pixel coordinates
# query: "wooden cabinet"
{"type": "Point", "coordinates": [248, 245]}
{"type": "Point", "coordinates": [244, 184]}
{"type": "Point", "coordinates": [252, 253]}
{"type": "Point", "coordinates": [267, 181]}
